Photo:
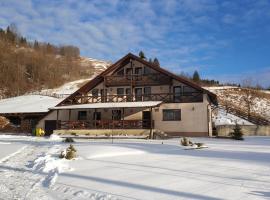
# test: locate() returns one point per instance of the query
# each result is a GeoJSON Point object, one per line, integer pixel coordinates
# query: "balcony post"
{"type": "Point", "coordinates": [151, 124]}
{"type": "Point", "coordinates": [95, 117]}
{"type": "Point", "coordinates": [57, 116]}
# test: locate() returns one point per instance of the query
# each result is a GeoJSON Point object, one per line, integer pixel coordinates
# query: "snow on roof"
{"type": "Point", "coordinates": [28, 104]}
{"type": "Point", "coordinates": [110, 105]}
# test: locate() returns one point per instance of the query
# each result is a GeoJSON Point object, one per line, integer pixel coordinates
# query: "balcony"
{"type": "Point", "coordinates": [164, 97]}
{"type": "Point", "coordinates": [137, 80]}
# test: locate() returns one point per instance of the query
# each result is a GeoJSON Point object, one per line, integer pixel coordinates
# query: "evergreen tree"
{"type": "Point", "coordinates": [237, 133]}
{"type": "Point", "coordinates": [156, 62]}
{"type": "Point", "coordinates": [196, 76]}
{"type": "Point", "coordinates": [141, 55]}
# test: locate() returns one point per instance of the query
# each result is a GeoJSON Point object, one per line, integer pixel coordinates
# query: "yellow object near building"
{"type": "Point", "coordinates": [40, 132]}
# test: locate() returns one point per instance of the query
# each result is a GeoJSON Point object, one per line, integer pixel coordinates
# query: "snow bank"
{"type": "Point", "coordinates": [51, 164]}
{"type": "Point", "coordinates": [54, 137]}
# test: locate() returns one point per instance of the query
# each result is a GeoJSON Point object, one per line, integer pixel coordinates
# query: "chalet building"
{"type": "Point", "coordinates": [134, 96]}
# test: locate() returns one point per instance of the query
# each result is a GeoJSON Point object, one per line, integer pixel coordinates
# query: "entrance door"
{"type": "Point", "coordinates": [146, 117]}
{"type": "Point", "coordinates": [50, 126]}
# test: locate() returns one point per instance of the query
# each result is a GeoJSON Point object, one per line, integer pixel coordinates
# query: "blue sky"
{"type": "Point", "coordinates": [225, 40]}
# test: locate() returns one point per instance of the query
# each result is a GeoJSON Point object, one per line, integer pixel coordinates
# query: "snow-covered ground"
{"type": "Point", "coordinates": [28, 103]}
{"type": "Point", "coordinates": [136, 169]}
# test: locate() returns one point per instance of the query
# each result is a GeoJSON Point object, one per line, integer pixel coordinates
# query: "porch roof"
{"type": "Point", "coordinates": [139, 104]}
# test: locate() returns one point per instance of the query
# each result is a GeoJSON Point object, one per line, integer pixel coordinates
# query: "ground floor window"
{"type": "Point", "coordinates": [171, 115]}
{"type": "Point", "coordinates": [82, 115]}
{"type": "Point", "coordinates": [116, 115]}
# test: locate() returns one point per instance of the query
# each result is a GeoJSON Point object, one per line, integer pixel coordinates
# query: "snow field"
{"type": "Point", "coordinates": [137, 169]}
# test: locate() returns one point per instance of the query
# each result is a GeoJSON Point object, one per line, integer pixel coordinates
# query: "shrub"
{"type": "Point", "coordinates": [185, 141]}
{"type": "Point", "coordinates": [69, 153]}
{"type": "Point", "coordinates": [237, 133]}
{"type": "Point", "coordinates": [199, 144]}
{"type": "Point", "coordinates": [69, 140]}
{"type": "Point", "coordinates": [73, 134]}
{"type": "Point", "coordinates": [71, 148]}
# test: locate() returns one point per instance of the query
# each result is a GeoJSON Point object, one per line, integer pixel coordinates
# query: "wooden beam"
{"type": "Point", "coordinates": [151, 124]}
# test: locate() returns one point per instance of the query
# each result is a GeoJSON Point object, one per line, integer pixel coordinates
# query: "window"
{"type": "Point", "coordinates": [96, 115]}
{"type": "Point", "coordinates": [138, 70]}
{"type": "Point", "coordinates": [128, 94]}
{"type": "Point", "coordinates": [116, 115]}
{"type": "Point", "coordinates": [147, 70]}
{"type": "Point", "coordinates": [120, 91]}
{"type": "Point", "coordinates": [95, 92]}
{"type": "Point", "coordinates": [103, 93]}
{"type": "Point", "coordinates": [147, 93]}
{"type": "Point", "coordinates": [82, 115]}
{"type": "Point", "coordinates": [172, 115]}
{"type": "Point", "coordinates": [177, 93]}
{"type": "Point", "coordinates": [187, 91]}
{"type": "Point", "coordinates": [138, 94]}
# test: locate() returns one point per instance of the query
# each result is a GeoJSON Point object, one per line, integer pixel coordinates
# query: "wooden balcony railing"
{"type": "Point", "coordinates": [164, 97]}
{"type": "Point", "coordinates": [137, 80]}
{"type": "Point", "coordinates": [105, 124]}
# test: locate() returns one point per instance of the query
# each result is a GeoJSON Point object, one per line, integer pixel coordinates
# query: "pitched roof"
{"type": "Point", "coordinates": [99, 78]}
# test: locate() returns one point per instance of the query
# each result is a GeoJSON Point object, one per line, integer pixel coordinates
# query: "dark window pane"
{"type": "Point", "coordinates": [120, 91]}
{"type": "Point", "coordinates": [82, 115]}
{"type": "Point", "coordinates": [187, 91]}
{"type": "Point", "coordinates": [138, 94]}
{"type": "Point", "coordinates": [177, 93]}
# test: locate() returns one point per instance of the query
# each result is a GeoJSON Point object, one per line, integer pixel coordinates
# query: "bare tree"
{"type": "Point", "coordinates": [249, 95]}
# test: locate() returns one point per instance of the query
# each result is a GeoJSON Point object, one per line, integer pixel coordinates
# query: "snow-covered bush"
{"type": "Point", "coordinates": [186, 142]}
{"type": "Point", "coordinates": [69, 153]}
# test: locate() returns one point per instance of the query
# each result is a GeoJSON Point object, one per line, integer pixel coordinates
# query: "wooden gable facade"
{"type": "Point", "coordinates": [134, 79]}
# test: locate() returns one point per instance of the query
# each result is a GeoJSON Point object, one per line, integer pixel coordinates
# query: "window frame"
{"type": "Point", "coordinates": [175, 117]}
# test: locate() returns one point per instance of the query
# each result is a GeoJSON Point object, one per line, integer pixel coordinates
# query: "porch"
{"type": "Point", "coordinates": [106, 116]}
{"type": "Point", "coordinates": [105, 124]}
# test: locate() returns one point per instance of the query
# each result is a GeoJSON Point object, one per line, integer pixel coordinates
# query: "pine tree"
{"type": "Point", "coordinates": [237, 133]}
{"type": "Point", "coordinates": [156, 62]}
{"type": "Point", "coordinates": [196, 76]}
{"type": "Point", "coordinates": [141, 54]}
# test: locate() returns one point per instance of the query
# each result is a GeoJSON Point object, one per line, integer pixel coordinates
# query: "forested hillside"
{"type": "Point", "coordinates": [31, 65]}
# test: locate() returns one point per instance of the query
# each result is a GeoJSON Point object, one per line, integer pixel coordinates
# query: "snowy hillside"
{"type": "Point", "coordinates": [224, 118]}
{"type": "Point", "coordinates": [70, 87]}
{"type": "Point", "coordinates": [235, 96]}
